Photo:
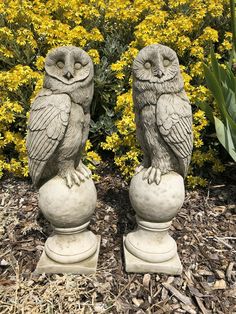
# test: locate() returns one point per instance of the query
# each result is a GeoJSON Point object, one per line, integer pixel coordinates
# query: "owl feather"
{"type": "Point", "coordinates": [162, 113]}
{"type": "Point", "coordinates": [176, 127]}
{"type": "Point", "coordinates": [48, 121]}
{"type": "Point", "coordinates": [59, 118]}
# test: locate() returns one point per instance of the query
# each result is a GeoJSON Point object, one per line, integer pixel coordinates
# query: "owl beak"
{"type": "Point", "coordinates": [159, 73]}
{"type": "Point", "coordinates": [68, 75]}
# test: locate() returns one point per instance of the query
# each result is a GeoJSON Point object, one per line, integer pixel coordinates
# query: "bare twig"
{"type": "Point", "coordinates": [229, 270]}
{"type": "Point", "coordinates": [7, 252]}
{"type": "Point", "coordinates": [183, 298]}
{"type": "Point", "coordinates": [201, 305]}
{"type": "Point", "coordinates": [125, 287]}
{"type": "Point", "coordinates": [228, 238]}
{"type": "Point", "coordinates": [223, 242]}
{"type": "Point", "coordinates": [207, 198]}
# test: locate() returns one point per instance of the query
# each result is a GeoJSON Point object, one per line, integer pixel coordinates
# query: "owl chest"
{"type": "Point", "coordinates": [145, 98]}
{"type": "Point", "coordinates": [149, 126]}
{"type": "Point", "coordinates": [76, 115]}
{"type": "Point", "coordinates": [83, 96]}
{"type": "Point", "coordinates": [76, 124]}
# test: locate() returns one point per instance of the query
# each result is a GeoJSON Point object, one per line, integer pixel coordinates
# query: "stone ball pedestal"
{"type": "Point", "coordinates": [150, 248]}
{"type": "Point", "coordinates": [72, 247]}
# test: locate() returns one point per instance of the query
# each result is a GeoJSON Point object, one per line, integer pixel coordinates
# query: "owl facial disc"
{"type": "Point", "coordinates": [156, 64]}
{"type": "Point", "coordinates": [68, 64]}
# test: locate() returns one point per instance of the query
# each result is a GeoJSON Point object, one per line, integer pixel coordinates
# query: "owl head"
{"type": "Point", "coordinates": [66, 67]}
{"type": "Point", "coordinates": [157, 64]}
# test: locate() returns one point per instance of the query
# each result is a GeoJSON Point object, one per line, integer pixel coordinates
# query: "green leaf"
{"type": "Point", "coordinates": [225, 137]}
{"type": "Point", "coordinates": [215, 65]}
{"type": "Point", "coordinates": [219, 92]}
{"type": "Point", "coordinates": [208, 111]}
{"type": "Point", "coordinates": [228, 77]}
{"type": "Point", "coordinates": [231, 103]}
{"type": "Point", "coordinates": [216, 90]}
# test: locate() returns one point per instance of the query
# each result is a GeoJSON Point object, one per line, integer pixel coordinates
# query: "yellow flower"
{"type": "Point", "coordinates": [112, 143]}
{"type": "Point", "coordinates": [194, 181]}
{"type": "Point", "coordinates": [120, 75]}
{"type": "Point", "coordinates": [94, 55]}
{"type": "Point", "coordinates": [32, 28]}
{"type": "Point", "coordinates": [88, 145]}
{"type": "Point", "coordinates": [40, 62]}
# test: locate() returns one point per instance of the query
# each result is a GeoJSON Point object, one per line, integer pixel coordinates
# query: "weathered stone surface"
{"type": "Point", "coordinates": [71, 248]}
{"type": "Point", "coordinates": [59, 118]}
{"type": "Point", "coordinates": [134, 264]}
{"type": "Point", "coordinates": [67, 207]}
{"type": "Point", "coordinates": [57, 133]}
{"type": "Point", "coordinates": [86, 267]}
{"type": "Point", "coordinates": [157, 203]}
{"type": "Point", "coordinates": [162, 112]}
{"type": "Point", "coordinates": [151, 242]}
{"type": "Point", "coordinates": [164, 130]}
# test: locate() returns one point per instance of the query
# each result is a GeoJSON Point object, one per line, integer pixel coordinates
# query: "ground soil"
{"type": "Point", "coordinates": [205, 231]}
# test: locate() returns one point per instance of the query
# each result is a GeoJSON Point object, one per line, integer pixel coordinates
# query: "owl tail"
{"type": "Point", "coordinates": [183, 166]}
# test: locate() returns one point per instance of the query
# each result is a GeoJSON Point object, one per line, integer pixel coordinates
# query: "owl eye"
{"type": "Point", "coordinates": [78, 65]}
{"type": "Point", "coordinates": [60, 64]}
{"type": "Point", "coordinates": [166, 62]}
{"type": "Point", "coordinates": [147, 65]}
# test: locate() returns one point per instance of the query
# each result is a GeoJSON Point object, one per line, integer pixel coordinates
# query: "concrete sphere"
{"type": "Point", "coordinates": [157, 203]}
{"type": "Point", "coordinates": [67, 207]}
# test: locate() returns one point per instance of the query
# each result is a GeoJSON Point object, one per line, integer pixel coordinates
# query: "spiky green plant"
{"type": "Point", "coordinates": [221, 81]}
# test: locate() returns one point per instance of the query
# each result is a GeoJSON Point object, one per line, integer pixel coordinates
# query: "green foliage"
{"type": "Point", "coordinates": [112, 32]}
{"type": "Point", "coordinates": [221, 81]}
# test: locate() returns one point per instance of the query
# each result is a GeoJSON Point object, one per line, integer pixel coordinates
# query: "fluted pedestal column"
{"type": "Point", "coordinates": [72, 248]}
{"type": "Point", "coordinates": [150, 248]}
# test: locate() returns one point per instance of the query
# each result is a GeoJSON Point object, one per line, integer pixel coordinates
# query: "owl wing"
{"type": "Point", "coordinates": [47, 124]}
{"type": "Point", "coordinates": [174, 120]}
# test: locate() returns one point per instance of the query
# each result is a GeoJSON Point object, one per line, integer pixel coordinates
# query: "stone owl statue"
{"type": "Point", "coordinates": [162, 112]}
{"type": "Point", "coordinates": [60, 116]}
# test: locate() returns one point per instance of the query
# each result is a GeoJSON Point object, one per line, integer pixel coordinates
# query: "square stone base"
{"type": "Point", "coordinates": [86, 267]}
{"type": "Point", "coordinates": [134, 264]}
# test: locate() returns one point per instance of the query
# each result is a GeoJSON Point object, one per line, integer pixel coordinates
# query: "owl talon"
{"type": "Point", "coordinates": [157, 176]}
{"type": "Point", "coordinates": [152, 174]}
{"type": "Point", "coordinates": [68, 180]}
{"type": "Point", "coordinates": [84, 171]}
{"type": "Point", "coordinates": [76, 178]}
{"type": "Point", "coordinates": [147, 173]}
{"type": "Point", "coordinates": [71, 176]}
{"type": "Point", "coordinates": [80, 176]}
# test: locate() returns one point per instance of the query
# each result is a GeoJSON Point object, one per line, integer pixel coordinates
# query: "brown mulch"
{"type": "Point", "coordinates": [205, 234]}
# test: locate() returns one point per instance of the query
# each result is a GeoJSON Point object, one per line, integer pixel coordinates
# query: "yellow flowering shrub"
{"type": "Point", "coordinates": [189, 27]}
{"type": "Point", "coordinates": [28, 30]}
{"type": "Point", "coordinates": [112, 32]}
